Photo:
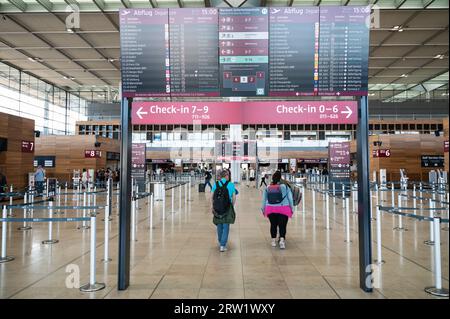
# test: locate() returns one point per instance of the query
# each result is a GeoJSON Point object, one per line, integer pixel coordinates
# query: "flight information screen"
{"type": "Point", "coordinates": [344, 50]}
{"type": "Point", "coordinates": [294, 51]}
{"type": "Point", "coordinates": [244, 51]}
{"type": "Point", "coordinates": [144, 45]}
{"type": "Point", "coordinates": [194, 62]}
{"type": "Point", "coordinates": [248, 52]}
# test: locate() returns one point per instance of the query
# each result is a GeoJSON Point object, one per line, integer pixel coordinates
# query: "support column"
{"type": "Point", "coordinates": [364, 209]}
{"type": "Point", "coordinates": [125, 196]}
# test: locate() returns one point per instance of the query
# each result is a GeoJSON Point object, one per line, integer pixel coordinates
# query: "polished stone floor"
{"type": "Point", "coordinates": [179, 256]}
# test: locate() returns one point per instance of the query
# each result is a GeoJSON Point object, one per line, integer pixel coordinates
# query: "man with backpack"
{"type": "Point", "coordinates": [278, 206]}
{"type": "Point", "coordinates": [222, 207]}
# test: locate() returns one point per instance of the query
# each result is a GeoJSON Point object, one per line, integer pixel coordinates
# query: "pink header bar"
{"type": "Point", "coordinates": [267, 112]}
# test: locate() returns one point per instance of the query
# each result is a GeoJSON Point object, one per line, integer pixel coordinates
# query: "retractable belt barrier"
{"type": "Point", "coordinates": [437, 289]}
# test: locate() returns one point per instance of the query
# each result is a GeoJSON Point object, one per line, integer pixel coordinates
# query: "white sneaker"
{"type": "Point", "coordinates": [274, 243]}
{"type": "Point", "coordinates": [282, 244]}
{"type": "Point", "coordinates": [223, 248]}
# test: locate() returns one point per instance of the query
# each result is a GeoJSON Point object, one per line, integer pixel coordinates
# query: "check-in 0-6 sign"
{"type": "Point", "coordinates": [27, 146]}
{"type": "Point", "coordinates": [92, 154]}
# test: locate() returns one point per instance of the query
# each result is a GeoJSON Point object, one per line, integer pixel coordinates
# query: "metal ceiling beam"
{"type": "Point", "coordinates": [399, 3]}
{"type": "Point", "coordinates": [428, 3]}
{"type": "Point", "coordinates": [19, 4]}
{"type": "Point", "coordinates": [72, 3]}
{"type": "Point", "coordinates": [207, 3]}
{"type": "Point", "coordinates": [31, 57]}
{"type": "Point", "coordinates": [46, 4]}
{"type": "Point", "coordinates": [263, 3]}
{"type": "Point", "coordinates": [20, 24]}
{"type": "Point", "coordinates": [318, 2]}
{"type": "Point", "coordinates": [242, 3]}
{"type": "Point", "coordinates": [229, 4]}
{"type": "Point", "coordinates": [102, 6]}
{"type": "Point", "coordinates": [415, 14]}
{"type": "Point", "coordinates": [180, 4]}
{"type": "Point", "coordinates": [91, 46]}
{"type": "Point", "coordinates": [414, 49]}
{"type": "Point", "coordinates": [126, 3]}
{"type": "Point", "coordinates": [152, 3]}
{"type": "Point", "coordinates": [291, 2]}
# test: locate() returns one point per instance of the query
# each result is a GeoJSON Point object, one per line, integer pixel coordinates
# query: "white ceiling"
{"type": "Point", "coordinates": [90, 57]}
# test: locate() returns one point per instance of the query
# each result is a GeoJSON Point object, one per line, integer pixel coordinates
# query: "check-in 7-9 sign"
{"type": "Point", "coordinates": [264, 112]}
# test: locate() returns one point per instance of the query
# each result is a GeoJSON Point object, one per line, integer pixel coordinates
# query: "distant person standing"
{"type": "Point", "coordinates": [222, 207]}
{"type": "Point", "coordinates": [39, 178]}
{"type": "Point", "coordinates": [85, 178]}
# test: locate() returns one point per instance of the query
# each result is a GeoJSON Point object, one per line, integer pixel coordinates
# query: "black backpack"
{"type": "Point", "coordinates": [274, 194]}
{"type": "Point", "coordinates": [221, 200]}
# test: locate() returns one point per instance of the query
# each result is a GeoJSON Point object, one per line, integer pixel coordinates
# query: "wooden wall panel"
{"type": "Point", "coordinates": [69, 152]}
{"type": "Point", "coordinates": [14, 163]}
{"type": "Point", "coordinates": [406, 152]}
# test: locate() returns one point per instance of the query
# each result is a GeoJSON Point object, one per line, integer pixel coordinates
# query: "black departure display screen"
{"type": "Point", "coordinates": [194, 61]}
{"type": "Point", "coordinates": [144, 44]}
{"type": "Point", "coordinates": [244, 51]}
{"type": "Point", "coordinates": [294, 51]}
{"type": "Point", "coordinates": [344, 50]}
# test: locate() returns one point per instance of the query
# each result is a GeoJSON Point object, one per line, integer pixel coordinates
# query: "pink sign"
{"type": "Point", "coordinates": [265, 112]}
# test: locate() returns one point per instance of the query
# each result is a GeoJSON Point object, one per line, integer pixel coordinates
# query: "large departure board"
{"type": "Point", "coordinates": [344, 50]}
{"type": "Point", "coordinates": [248, 52]}
{"type": "Point", "coordinates": [294, 46]}
{"type": "Point", "coordinates": [144, 43]}
{"type": "Point", "coordinates": [194, 62]}
{"type": "Point", "coordinates": [243, 51]}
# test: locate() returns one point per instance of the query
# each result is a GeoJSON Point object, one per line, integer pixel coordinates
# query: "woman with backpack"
{"type": "Point", "coordinates": [222, 207]}
{"type": "Point", "coordinates": [278, 206]}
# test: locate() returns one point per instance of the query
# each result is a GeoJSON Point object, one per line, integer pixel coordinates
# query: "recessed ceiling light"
{"type": "Point", "coordinates": [65, 77]}
{"type": "Point", "coordinates": [404, 75]}
{"type": "Point", "coordinates": [111, 60]}
{"type": "Point", "coordinates": [400, 30]}
{"type": "Point", "coordinates": [70, 30]}
{"type": "Point", "coordinates": [439, 56]}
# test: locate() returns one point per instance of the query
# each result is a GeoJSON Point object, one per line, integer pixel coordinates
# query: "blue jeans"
{"type": "Point", "coordinates": [222, 233]}
{"type": "Point", "coordinates": [207, 182]}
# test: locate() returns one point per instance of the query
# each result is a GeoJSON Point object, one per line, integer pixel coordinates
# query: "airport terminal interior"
{"type": "Point", "coordinates": [121, 121]}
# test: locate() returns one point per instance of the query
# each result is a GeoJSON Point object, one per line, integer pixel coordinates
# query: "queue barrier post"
{"type": "Point", "coordinates": [392, 195]}
{"type": "Point", "coordinates": [50, 239]}
{"type": "Point", "coordinates": [25, 210]}
{"type": "Point", "coordinates": [431, 241]}
{"type": "Point", "coordinates": [327, 211]}
{"type": "Point", "coordinates": [379, 260]}
{"type": "Point", "coordinates": [172, 199]}
{"type": "Point", "coordinates": [4, 258]}
{"type": "Point", "coordinates": [303, 201]}
{"type": "Point", "coordinates": [314, 203]}
{"type": "Point", "coordinates": [106, 245]}
{"type": "Point", "coordinates": [84, 224]}
{"type": "Point", "coordinates": [179, 197]}
{"type": "Point", "coordinates": [133, 219]}
{"type": "Point", "coordinates": [400, 217]}
{"type": "Point", "coordinates": [93, 285]}
{"type": "Point", "coordinates": [164, 202]}
{"type": "Point", "coordinates": [11, 189]}
{"type": "Point", "coordinates": [437, 290]}
{"type": "Point", "coordinates": [347, 220]}
{"type": "Point", "coordinates": [150, 209]}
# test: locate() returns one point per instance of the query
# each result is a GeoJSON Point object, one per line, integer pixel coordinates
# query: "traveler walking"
{"type": "Point", "coordinates": [85, 178]}
{"type": "Point", "coordinates": [278, 206]}
{"type": "Point", "coordinates": [208, 177]}
{"type": "Point", "coordinates": [222, 207]}
{"type": "Point", "coordinates": [263, 180]}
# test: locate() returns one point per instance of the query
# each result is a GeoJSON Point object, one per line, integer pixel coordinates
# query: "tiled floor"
{"type": "Point", "coordinates": [179, 257]}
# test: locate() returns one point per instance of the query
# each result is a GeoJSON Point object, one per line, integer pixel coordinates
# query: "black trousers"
{"type": "Point", "coordinates": [278, 221]}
